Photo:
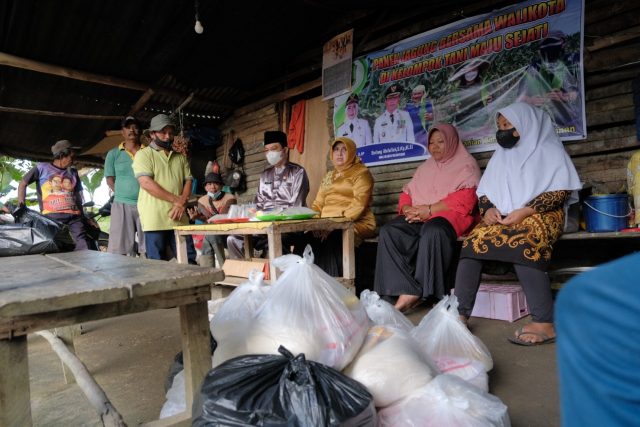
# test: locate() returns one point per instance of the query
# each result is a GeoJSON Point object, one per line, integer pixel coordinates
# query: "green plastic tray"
{"type": "Point", "coordinates": [284, 217]}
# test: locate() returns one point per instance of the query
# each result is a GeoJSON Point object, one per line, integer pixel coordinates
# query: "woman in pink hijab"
{"type": "Point", "coordinates": [416, 249]}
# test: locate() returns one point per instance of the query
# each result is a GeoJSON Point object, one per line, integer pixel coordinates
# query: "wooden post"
{"type": "Point", "coordinates": [15, 399]}
{"type": "Point", "coordinates": [274, 238]}
{"type": "Point", "coordinates": [196, 347]}
{"type": "Point", "coordinates": [348, 253]}
{"type": "Point", "coordinates": [181, 248]}
{"type": "Point", "coordinates": [248, 246]}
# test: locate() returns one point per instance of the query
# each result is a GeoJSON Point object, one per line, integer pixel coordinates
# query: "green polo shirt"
{"type": "Point", "coordinates": [118, 164]}
{"type": "Point", "coordinates": [170, 172]}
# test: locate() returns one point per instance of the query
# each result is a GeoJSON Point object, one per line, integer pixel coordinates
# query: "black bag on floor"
{"type": "Point", "coordinates": [51, 229]}
{"type": "Point", "coordinates": [272, 390]}
{"type": "Point", "coordinates": [19, 239]}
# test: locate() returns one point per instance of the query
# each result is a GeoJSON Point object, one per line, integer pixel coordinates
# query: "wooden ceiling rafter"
{"type": "Point", "coordinates": [41, 67]}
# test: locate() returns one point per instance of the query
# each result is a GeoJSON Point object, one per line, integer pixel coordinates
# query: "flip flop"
{"type": "Point", "coordinates": [518, 341]}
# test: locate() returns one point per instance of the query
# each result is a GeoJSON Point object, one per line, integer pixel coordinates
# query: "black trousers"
{"type": "Point", "coordinates": [535, 284]}
{"type": "Point", "coordinates": [415, 258]}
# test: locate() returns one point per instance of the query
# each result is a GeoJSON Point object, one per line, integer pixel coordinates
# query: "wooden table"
{"type": "Point", "coordinates": [274, 231]}
{"type": "Point", "coordinates": [47, 291]}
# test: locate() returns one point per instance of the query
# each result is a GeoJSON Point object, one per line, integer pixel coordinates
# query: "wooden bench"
{"type": "Point", "coordinates": [585, 246]}
{"type": "Point", "coordinates": [579, 235]}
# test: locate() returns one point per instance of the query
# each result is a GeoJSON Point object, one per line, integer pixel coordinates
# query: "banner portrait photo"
{"type": "Point", "coordinates": [462, 74]}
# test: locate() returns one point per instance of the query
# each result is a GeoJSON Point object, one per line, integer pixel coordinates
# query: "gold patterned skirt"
{"type": "Point", "coordinates": [528, 243]}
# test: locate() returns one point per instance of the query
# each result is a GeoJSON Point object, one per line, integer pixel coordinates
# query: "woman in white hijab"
{"type": "Point", "coordinates": [524, 191]}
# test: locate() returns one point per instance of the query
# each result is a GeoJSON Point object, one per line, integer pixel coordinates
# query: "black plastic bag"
{"type": "Point", "coordinates": [91, 228]}
{"type": "Point", "coordinates": [20, 239]}
{"type": "Point", "coordinates": [236, 152]}
{"type": "Point", "coordinates": [272, 390]}
{"type": "Point", "coordinates": [50, 228]}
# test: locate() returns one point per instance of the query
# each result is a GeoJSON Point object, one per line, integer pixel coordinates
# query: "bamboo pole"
{"type": "Point", "coordinates": [108, 414]}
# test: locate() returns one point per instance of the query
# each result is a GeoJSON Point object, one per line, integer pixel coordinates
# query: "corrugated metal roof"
{"type": "Point", "coordinates": [247, 50]}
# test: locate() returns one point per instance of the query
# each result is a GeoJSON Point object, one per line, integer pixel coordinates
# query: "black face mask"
{"type": "Point", "coordinates": [162, 144]}
{"type": "Point", "coordinates": [506, 139]}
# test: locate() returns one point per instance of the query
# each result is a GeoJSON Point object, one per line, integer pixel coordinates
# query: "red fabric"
{"type": "Point", "coordinates": [403, 201]}
{"type": "Point", "coordinates": [462, 213]}
{"type": "Point", "coordinates": [295, 137]}
{"type": "Point", "coordinates": [197, 240]}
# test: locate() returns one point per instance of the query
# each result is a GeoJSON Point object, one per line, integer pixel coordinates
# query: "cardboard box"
{"type": "Point", "coordinates": [242, 268]}
{"type": "Point", "coordinates": [501, 302]}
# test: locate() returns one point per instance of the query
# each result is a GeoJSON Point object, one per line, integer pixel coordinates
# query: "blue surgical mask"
{"type": "Point", "coordinates": [214, 196]}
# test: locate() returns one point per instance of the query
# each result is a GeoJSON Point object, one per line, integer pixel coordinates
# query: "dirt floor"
{"type": "Point", "coordinates": [130, 356]}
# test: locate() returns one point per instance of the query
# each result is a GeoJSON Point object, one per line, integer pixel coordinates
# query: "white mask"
{"type": "Point", "coordinates": [273, 157]}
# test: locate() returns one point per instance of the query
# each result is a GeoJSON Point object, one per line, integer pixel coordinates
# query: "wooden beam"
{"type": "Point", "coordinates": [57, 114]}
{"type": "Point", "coordinates": [142, 101]}
{"type": "Point", "coordinates": [185, 102]}
{"type": "Point", "coordinates": [41, 67]}
{"type": "Point", "coordinates": [615, 38]}
{"type": "Point", "coordinates": [278, 97]}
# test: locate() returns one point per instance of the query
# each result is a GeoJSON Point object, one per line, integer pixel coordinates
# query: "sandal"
{"type": "Point", "coordinates": [545, 338]}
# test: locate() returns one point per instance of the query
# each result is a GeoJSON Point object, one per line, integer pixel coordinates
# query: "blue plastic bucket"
{"type": "Point", "coordinates": [606, 213]}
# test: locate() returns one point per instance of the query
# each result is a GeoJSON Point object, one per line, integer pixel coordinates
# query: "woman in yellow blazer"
{"type": "Point", "coordinates": [345, 191]}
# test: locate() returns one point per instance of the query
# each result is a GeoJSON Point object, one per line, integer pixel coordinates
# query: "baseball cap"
{"type": "Point", "coordinates": [62, 145]}
{"type": "Point", "coordinates": [128, 120]}
{"type": "Point", "coordinates": [159, 122]}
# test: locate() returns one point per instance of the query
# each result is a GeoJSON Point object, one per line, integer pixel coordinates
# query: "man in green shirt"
{"type": "Point", "coordinates": [165, 186]}
{"type": "Point", "coordinates": [118, 170]}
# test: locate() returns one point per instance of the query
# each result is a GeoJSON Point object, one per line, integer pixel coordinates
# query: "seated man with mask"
{"type": "Point", "coordinates": [282, 185]}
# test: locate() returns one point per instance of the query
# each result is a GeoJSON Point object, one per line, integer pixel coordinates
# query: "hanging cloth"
{"type": "Point", "coordinates": [295, 137]}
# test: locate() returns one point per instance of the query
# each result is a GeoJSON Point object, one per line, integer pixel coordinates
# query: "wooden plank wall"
{"type": "Point", "coordinates": [611, 62]}
{"type": "Point", "coordinates": [249, 127]}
